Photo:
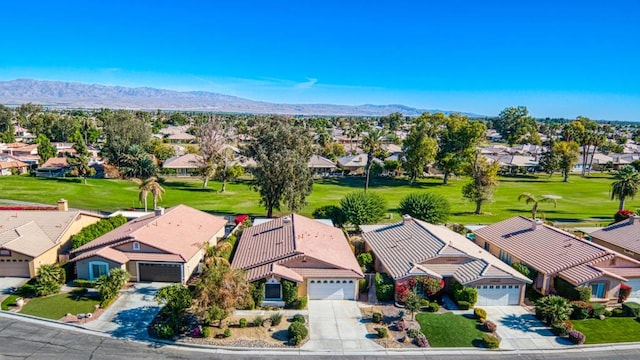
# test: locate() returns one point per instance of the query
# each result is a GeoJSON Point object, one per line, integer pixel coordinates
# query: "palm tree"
{"type": "Point", "coordinates": [530, 198]}
{"type": "Point", "coordinates": [626, 184]}
{"type": "Point", "coordinates": [371, 143]}
{"type": "Point", "coordinates": [146, 187]}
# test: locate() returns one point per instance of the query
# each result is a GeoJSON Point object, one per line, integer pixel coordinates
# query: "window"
{"type": "Point", "coordinates": [313, 281]}
{"type": "Point", "coordinates": [272, 291]}
{"type": "Point", "coordinates": [504, 256]}
{"type": "Point", "coordinates": [486, 246]}
{"type": "Point", "coordinates": [5, 252]}
{"type": "Point", "coordinates": [331, 282]}
{"type": "Point", "coordinates": [597, 290]}
{"type": "Point", "coordinates": [350, 281]}
{"type": "Point", "coordinates": [97, 269]}
{"type": "Point", "coordinates": [136, 245]}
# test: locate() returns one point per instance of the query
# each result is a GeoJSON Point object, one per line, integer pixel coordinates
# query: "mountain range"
{"type": "Point", "coordinates": [60, 94]}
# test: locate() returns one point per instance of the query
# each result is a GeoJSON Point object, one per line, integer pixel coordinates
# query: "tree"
{"type": "Point", "coordinates": [212, 137]}
{"type": "Point", "coordinates": [531, 199]}
{"type": "Point", "coordinates": [136, 163]}
{"type": "Point", "coordinates": [514, 124]}
{"type": "Point", "coordinates": [226, 170]}
{"type": "Point", "coordinates": [6, 125]}
{"type": "Point", "coordinates": [553, 309]}
{"type": "Point", "coordinates": [625, 184]}
{"type": "Point", "coordinates": [430, 207]}
{"type": "Point", "coordinates": [361, 207]}
{"type": "Point", "coordinates": [80, 160]}
{"type": "Point", "coordinates": [549, 161]}
{"type": "Point", "coordinates": [146, 187]}
{"type": "Point", "coordinates": [281, 152]}
{"type": "Point", "coordinates": [420, 145]}
{"type": "Point", "coordinates": [160, 150]}
{"type": "Point", "coordinates": [567, 153]}
{"type": "Point", "coordinates": [49, 279]}
{"type": "Point", "coordinates": [26, 112]}
{"type": "Point", "coordinates": [413, 303]}
{"type": "Point", "coordinates": [392, 167]}
{"type": "Point", "coordinates": [176, 298]}
{"type": "Point", "coordinates": [457, 142]}
{"type": "Point", "coordinates": [371, 144]}
{"type": "Point", "coordinates": [484, 179]}
{"type": "Point", "coordinates": [122, 130]}
{"type": "Point", "coordinates": [45, 149]}
{"type": "Point", "coordinates": [109, 286]}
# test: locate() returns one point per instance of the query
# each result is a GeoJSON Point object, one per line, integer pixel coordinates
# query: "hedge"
{"type": "Point", "coordinates": [631, 309]}
{"type": "Point", "coordinates": [84, 283]}
{"type": "Point", "coordinates": [384, 287]}
{"type": "Point", "coordinates": [93, 231]}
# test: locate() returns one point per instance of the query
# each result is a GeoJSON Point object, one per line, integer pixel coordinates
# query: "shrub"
{"type": "Point", "coordinates": [430, 286]}
{"type": "Point", "coordinates": [275, 319]}
{"type": "Point", "coordinates": [297, 332]}
{"type": "Point", "coordinates": [490, 326]}
{"type": "Point", "coordinates": [623, 294]}
{"type": "Point", "coordinates": [434, 307]}
{"type": "Point", "coordinates": [256, 290]}
{"type": "Point", "coordinates": [376, 317]}
{"type": "Point", "coordinates": [289, 293]}
{"type": "Point", "coordinates": [164, 331]}
{"type": "Point", "coordinates": [299, 318]}
{"type": "Point", "coordinates": [301, 303]}
{"type": "Point", "coordinates": [206, 332]}
{"type": "Point", "coordinates": [401, 325]}
{"type": "Point", "coordinates": [226, 333]}
{"type": "Point", "coordinates": [430, 207]}
{"type": "Point", "coordinates": [552, 309]}
{"type": "Point", "coordinates": [491, 341]}
{"type": "Point", "coordinates": [464, 305]}
{"type": "Point", "coordinates": [330, 212]}
{"type": "Point", "coordinates": [365, 260]}
{"type": "Point", "coordinates": [413, 333]}
{"type": "Point", "coordinates": [49, 279]}
{"type": "Point", "coordinates": [360, 207]}
{"type": "Point", "coordinates": [562, 328]}
{"type": "Point", "coordinates": [622, 215]}
{"type": "Point", "coordinates": [242, 323]}
{"type": "Point", "coordinates": [422, 341]}
{"type": "Point", "coordinates": [581, 310]}
{"type": "Point", "coordinates": [606, 313]}
{"type": "Point", "coordinates": [617, 313]}
{"type": "Point", "coordinates": [631, 309]}
{"type": "Point", "coordinates": [467, 294]}
{"type": "Point", "coordinates": [480, 314]}
{"type": "Point", "coordinates": [26, 290]}
{"type": "Point", "coordinates": [257, 321]}
{"type": "Point", "coordinates": [576, 337]}
{"type": "Point", "coordinates": [384, 287]}
{"type": "Point", "coordinates": [584, 293]}
{"type": "Point", "coordinates": [524, 270]}
{"type": "Point", "coordinates": [362, 285]}
{"type": "Point", "coordinates": [382, 332]}
{"type": "Point", "coordinates": [87, 284]}
{"type": "Point", "coordinates": [598, 309]}
{"type": "Point", "coordinates": [567, 290]}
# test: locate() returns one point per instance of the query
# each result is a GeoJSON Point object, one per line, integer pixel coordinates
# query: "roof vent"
{"type": "Point", "coordinates": [406, 218]}
{"type": "Point", "coordinates": [159, 211]}
{"type": "Point", "coordinates": [535, 223]}
{"type": "Point", "coordinates": [286, 219]}
{"type": "Point", "coordinates": [634, 219]}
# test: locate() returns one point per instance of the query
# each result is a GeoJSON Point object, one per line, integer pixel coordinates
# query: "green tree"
{"type": "Point", "coordinates": [160, 150]}
{"type": "Point", "coordinates": [553, 309]}
{"type": "Point", "coordinates": [532, 199]}
{"type": "Point", "coordinates": [515, 124]}
{"type": "Point", "coordinates": [123, 130]}
{"type": "Point", "coordinates": [80, 160]}
{"type": "Point", "coordinates": [49, 279]}
{"type": "Point", "coordinates": [6, 125]}
{"type": "Point", "coordinates": [109, 286]}
{"type": "Point", "coordinates": [413, 303]}
{"type": "Point", "coordinates": [136, 163]}
{"type": "Point", "coordinates": [549, 161]}
{"type": "Point", "coordinates": [430, 207]}
{"type": "Point", "coordinates": [567, 153]}
{"type": "Point", "coordinates": [361, 207]}
{"type": "Point", "coordinates": [176, 298]}
{"type": "Point", "coordinates": [484, 179]}
{"type": "Point", "coordinates": [146, 187]}
{"type": "Point", "coordinates": [371, 144]}
{"type": "Point", "coordinates": [625, 185]}
{"type": "Point", "coordinates": [45, 149]}
{"type": "Point", "coordinates": [420, 145]}
{"type": "Point", "coordinates": [281, 152]}
{"type": "Point", "coordinates": [26, 112]}
{"type": "Point", "coordinates": [456, 143]}
{"type": "Point", "coordinates": [392, 167]}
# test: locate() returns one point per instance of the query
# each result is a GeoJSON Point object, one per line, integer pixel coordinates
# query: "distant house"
{"type": "Point", "coordinates": [180, 138]}
{"type": "Point", "coordinates": [27, 153]}
{"type": "Point", "coordinates": [314, 255]}
{"type": "Point", "coordinates": [557, 255]}
{"type": "Point", "coordinates": [53, 167]}
{"type": "Point", "coordinates": [32, 236]}
{"type": "Point", "coordinates": [513, 164]}
{"type": "Point", "coordinates": [321, 166]}
{"type": "Point", "coordinates": [11, 166]}
{"type": "Point", "coordinates": [355, 164]}
{"type": "Point", "coordinates": [183, 164]}
{"type": "Point", "coordinates": [414, 248]}
{"type": "Point", "coordinates": [165, 246]}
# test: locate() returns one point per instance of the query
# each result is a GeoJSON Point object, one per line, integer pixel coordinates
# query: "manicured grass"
{"type": "Point", "coordinates": [449, 330]}
{"type": "Point", "coordinates": [583, 199]}
{"type": "Point", "coordinates": [9, 302]}
{"type": "Point", "coordinates": [609, 330]}
{"type": "Point", "coordinates": [57, 306]}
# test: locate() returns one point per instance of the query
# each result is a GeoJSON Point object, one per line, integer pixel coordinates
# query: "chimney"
{"type": "Point", "coordinates": [286, 219]}
{"type": "Point", "coordinates": [159, 211]}
{"type": "Point", "coordinates": [634, 219]}
{"type": "Point", "coordinates": [406, 218]}
{"type": "Point", "coordinates": [535, 223]}
{"type": "Point", "coordinates": [63, 205]}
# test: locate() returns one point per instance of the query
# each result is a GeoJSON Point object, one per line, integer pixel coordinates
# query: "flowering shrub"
{"type": "Point", "coordinates": [581, 310]}
{"type": "Point", "coordinates": [402, 292]}
{"type": "Point", "coordinates": [422, 341]}
{"type": "Point", "coordinates": [490, 326]}
{"type": "Point", "coordinates": [401, 325]}
{"type": "Point", "coordinates": [562, 328]}
{"type": "Point", "coordinates": [625, 291]}
{"type": "Point", "coordinates": [577, 337]}
{"type": "Point", "coordinates": [622, 215]}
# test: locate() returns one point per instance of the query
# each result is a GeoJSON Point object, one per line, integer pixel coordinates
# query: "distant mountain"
{"type": "Point", "coordinates": [58, 94]}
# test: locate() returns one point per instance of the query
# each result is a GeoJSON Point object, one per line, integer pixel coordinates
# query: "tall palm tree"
{"type": "Point", "coordinates": [626, 184]}
{"type": "Point", "coordinates": [371, 143]}
{"type": "Point", "coordinates": [146, 187]}
{"type": "Point", "coordinates": [530, 198]}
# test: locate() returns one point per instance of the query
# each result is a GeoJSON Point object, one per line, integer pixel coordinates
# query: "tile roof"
{"type": "Point", "coordinates": [28, 239]}
{"type": "Point", "coordinates": [53, 223]}
{"type": "Point", "coordinates": [411, 245]}
{"type": "Point", "coordinates": [12, 164]}
{"type": "Point", "coordinates": [317, 161]}
{"type": "Point", "coordinates": [580, 274]}
{"type": "Point", "coordinates": [55, 162]}
{"type": "Point", "coordinates": [546, 248]}
{"type": "Point", "coordinates": [187, 161]}
{"type": "Point", "coordinates": [625, 234]}
{"type": "Point", "coordinates": [271, 246]}
{"type": "Point", "coordinates": [181, 230]}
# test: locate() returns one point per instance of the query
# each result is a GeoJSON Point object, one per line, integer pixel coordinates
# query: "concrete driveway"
{"type": "Point", "coordinates": [8, 284]}
{"type": "Point", "coordinates": [130, 314]}
{"type": "Point", "coordinates": [336, 326]}
{"type": "Point", "coordinates": [521, 330]}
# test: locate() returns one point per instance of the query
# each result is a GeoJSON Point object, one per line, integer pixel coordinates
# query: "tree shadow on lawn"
{"type": "Point", "coordinates": [63, 180]}
{"type": "Point", "coordinates": [526, 323]}
{"type": "Point", "coordinates": [132, 323]}
{"type": "Point", "coordinates": [358, 182]}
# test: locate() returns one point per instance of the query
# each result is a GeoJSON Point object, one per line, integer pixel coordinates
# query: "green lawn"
{"type": "Point", "coordinates": [584, 199]}
{"type": "Point", "coordinates": [57, 306]}
{"type": "Point", "coordinates": [449, 330]}
{"type": "Point", "coordinates": [9, 302]}
{"type": "Point", "coordinates": [609, 330]}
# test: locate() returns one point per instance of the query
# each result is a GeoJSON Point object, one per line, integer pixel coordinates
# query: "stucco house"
{"type": "Point", "coordinates": [11, 166]}
{"type": "Point", "coordinates": [314, 255]}
{"type": "Point", "coordinates": [321, 166]}
{"type": "Point", "coordinates": [167, 246]}
{"type": "Point", "coordinates": [555, 254]}
{"type": "Point", "coordinates": [33, 236]}
{"type": "Point", "coordinates": [414, 248]}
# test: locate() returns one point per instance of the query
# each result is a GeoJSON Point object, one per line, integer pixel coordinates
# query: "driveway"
{"type": "Point", "coordinates": [9, 284]}
{"type": "Point", "coordinates": [521, 330]}
{"type": "Point", "coordinates": [130, 314]}
{"type": "Point", "coordinates": [336, 326]}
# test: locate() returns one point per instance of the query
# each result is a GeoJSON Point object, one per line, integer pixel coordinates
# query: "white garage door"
{"type": "Point", "coordinates": [18, 268]}
{"type": "Point", "coordinates": [331, 289]}
{"type": "Point", "coordinates": [492, 295]}
{"type": "Point", "coordinates": [635, 288]}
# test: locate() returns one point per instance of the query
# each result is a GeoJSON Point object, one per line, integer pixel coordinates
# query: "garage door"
{"type": "Point", "coordinates": [18, 268]}
{"type": "Point", "coordinates": [160, 272]}
{"type": "Point", "coordinates": [492, 295]}
{"type": "Point", "coordinates": [635, 288]}
{"type": "Point", "coordinates": [331, 289]}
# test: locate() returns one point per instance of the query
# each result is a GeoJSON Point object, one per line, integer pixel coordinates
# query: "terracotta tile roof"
{"type": "Point", "coordinates": [580, 274]}
{"type": "Point", "coordinates": [546, 248]}
{"type": "Point", "coordinates": [12, 164]}
{"type": "Point", "coordinates": [53, 223]}
{"type": "Point", "coordinates": [28, 239]}
{"type": "Point", "coordinates": [625, 234]}
{"type": "Point", "coordinates": [55, 162]}
{"type": "Point", "coordinates": [181, 230]}
{"type": "Point", "coordinates": [407, 247]}
{"type": "Point", "coordinates": [269, 247]}
{"type": "Point", "coordinates": [140, 256]}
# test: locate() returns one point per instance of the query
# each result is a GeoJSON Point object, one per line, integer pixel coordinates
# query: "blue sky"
{"type": "Point", "coordinates": [559, 58]}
